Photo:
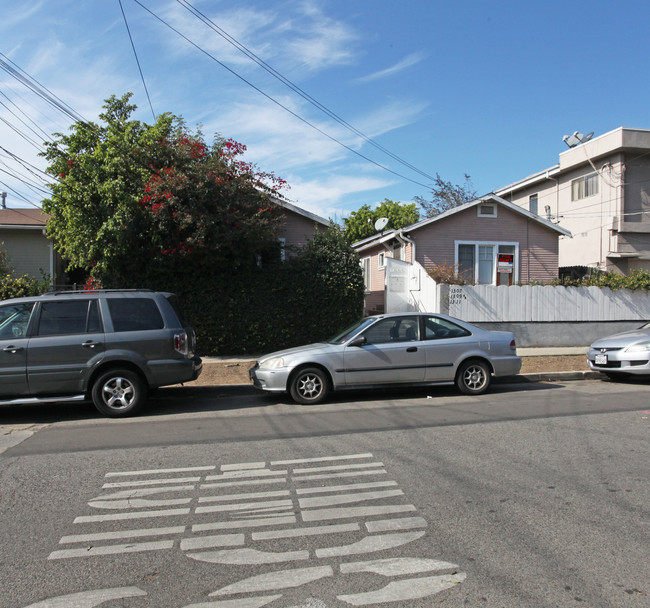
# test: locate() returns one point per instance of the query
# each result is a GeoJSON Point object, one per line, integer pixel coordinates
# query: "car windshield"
{"type": "Point", "coordinates": [346, 334]}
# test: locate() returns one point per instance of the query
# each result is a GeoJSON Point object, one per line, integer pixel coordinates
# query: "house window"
{"type": "Point", "coordinates": [584, 187]}
{"type": "Point", "coordinates": [365, 270]}
{"type": "Point", "coordinates": [283, 248]}
{"type": "Point", "coordinates": [487, 210]}
{"type": "Point", "coordinates": [397, 251]}
{"type": "Point", "coordinates": [478, 262]}
{"type": "Point", "coordinates": [381, 259]}
{"type": "Point", "coordinates": [532, 203]}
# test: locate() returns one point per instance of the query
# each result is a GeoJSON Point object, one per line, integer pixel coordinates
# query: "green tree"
{"type": "Point", "coordinates": [361, 223]}
{"type": "Point", "coordinates": [445, 196]}
{"type": "Point", "coordinates": [134, 201]}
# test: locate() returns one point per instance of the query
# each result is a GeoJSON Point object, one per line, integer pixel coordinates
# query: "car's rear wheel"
{"type": "Point", "coordinates": [309, 385]}
{"type": "Point", "coordinates": [473, 377]}
{"type": "Point", "coordinates": [118, 392]}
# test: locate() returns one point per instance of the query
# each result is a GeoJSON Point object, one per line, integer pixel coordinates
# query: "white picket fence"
{"type": "Point", "coordinates": [487, 303]}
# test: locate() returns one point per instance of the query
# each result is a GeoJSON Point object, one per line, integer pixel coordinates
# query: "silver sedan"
{"type": "Point", "coordinates": [392, 349]}
{"type": "Point", "coordinates": [620, 354]}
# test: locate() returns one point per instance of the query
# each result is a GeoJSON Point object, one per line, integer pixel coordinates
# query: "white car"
{"type": "Point", "coordinates": [620, 354]}
{"type": "Point", "coordinates": [392, 349]}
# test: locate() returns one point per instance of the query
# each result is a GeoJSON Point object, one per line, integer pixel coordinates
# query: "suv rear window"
{"type": "Point", "coordinates": [134, 314]}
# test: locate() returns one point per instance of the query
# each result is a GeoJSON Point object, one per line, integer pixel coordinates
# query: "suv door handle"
{"type": "Point", "coordinates": [12, 349]}
{"type": "Point", "coordinates": [412, 349]}
{"type": "Point", "coordinates": [89, 344]}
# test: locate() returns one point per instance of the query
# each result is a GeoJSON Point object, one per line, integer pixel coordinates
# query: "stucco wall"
{"type": "Point", "coordinates": [538, 246]}
{"type": "Point", "coordinates": [29, 251]}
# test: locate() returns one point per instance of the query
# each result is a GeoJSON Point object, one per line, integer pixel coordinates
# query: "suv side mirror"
{"type": "Point", "coordinates": [358, 341]}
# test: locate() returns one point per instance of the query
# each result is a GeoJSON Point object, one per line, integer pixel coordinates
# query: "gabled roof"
{"type": "Point", "coordinates": [23, 217]}
{"type": "Point", "coordinates": [387, 235]}
{"type": "Point", "coordinates": [308, 214]}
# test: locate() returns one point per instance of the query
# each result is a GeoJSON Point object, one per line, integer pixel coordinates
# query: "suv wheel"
{"type": "Point", "coordinates": [118, 392]}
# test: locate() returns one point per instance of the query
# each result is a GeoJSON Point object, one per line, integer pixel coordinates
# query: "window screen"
{"type": "Point", "coordinates": [134, 314]}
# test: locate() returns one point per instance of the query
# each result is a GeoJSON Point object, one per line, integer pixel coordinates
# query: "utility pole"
{"type": "Point", "coordinates": [4, 200]}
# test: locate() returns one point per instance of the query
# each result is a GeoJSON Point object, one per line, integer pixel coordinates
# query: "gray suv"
{"type": "Point", "coordinates": [109, 346]}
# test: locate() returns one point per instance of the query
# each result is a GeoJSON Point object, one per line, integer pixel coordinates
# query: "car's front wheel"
{"type": "Point", "coordinates": [118, 392]}
{"type": "Point", "coordinates": [309, 385]}
{"type": "Point", "coordinates": [473, 377]}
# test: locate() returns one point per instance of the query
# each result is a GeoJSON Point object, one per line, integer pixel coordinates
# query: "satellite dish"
{"type": "Point", "coordinates": [587, 137]}
{"type": "Point", "coordinates": [381, 223]}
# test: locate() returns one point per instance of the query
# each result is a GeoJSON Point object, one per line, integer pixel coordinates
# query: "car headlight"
{"type": "Point", "coordinates": [639, 348]}
{"type": "Point", "coordinates": [272, 363]}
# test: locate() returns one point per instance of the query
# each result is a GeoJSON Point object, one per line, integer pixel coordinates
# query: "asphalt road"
{"type": "Point", "coordinates": [531, 495]}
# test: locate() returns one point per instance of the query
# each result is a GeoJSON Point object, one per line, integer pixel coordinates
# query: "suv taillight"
{"type": "Point", "coordinates": [180, 343]}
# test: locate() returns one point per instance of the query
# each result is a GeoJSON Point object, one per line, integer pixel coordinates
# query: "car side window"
{"type": "Point", "coordinates": [135, 314]}
{"type": "Point", "coordinates": [436, 328]}
{"type": "Point", "coordinates": [393, 329]}
{"type": "Point", "coordinates": [69, 317]}
{"type": "Point", "coordinates": [14, 320]}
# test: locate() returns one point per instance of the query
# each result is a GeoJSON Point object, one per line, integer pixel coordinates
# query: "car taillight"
{"type": "Point", "coordinates": [513, 345]}
{"type": "Point", "coordinates": [180, 343]}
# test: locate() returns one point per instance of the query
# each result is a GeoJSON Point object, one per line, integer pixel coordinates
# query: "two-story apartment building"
{"type": "Point", "coordinates": [600, 192]}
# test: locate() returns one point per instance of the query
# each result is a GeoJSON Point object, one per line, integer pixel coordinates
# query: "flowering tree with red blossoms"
{"type": "Point", "coordinates": [135, 204]}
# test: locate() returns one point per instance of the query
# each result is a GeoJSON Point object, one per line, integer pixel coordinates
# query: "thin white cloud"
{"type": "Point", "coordinates": [407, 62]}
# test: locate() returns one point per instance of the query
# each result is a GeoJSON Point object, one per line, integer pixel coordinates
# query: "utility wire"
{"type": "Point", "coordinates": [238, 45]}
{"type": "Point", "coordinates": [137, 61]}
{"type": "Point", "coordinates": [261, 92]}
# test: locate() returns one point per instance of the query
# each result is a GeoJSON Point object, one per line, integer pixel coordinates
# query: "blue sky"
{"type": "Point", "coordinates": [486, 88]}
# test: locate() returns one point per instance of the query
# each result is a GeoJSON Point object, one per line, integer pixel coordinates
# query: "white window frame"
{"type": "Point", "coordinates": [585, 186]}
{"type": "Point", "coordinates": [533, 204]}
{"type": "Point", "coordinates": [495, 251]}
{"type": "Point", "coordinates": [381, 260]}
{"type": "Point", "coordinates": [366, 270]}
{"type": "Point", "coordinates": [479, 210]}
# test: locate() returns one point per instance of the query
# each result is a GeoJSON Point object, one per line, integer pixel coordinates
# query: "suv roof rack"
{"type": "Point", "coordinates": [89, 291]}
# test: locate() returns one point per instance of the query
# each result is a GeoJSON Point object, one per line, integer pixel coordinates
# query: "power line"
{"type": "Point", "coordinates": [246, 51]}
{"type": "Point", "coordinates": [261, 92]}
{"type": "Point", "coordinates": [137, 61]}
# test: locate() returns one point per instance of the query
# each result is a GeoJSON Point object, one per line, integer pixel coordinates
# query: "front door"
{"type": "Point", "coordinates": [392, 353]}
{"type": "Point", "coordinates": [14, 319]}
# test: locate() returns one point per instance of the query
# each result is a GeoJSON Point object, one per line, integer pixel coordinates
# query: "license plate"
{"type": "Point", "coordinates": [601, 360]}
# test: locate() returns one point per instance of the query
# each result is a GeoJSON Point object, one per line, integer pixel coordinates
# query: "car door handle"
{"type": "Point", "coordinates": [89, 344]}
{"type": "Point", "coordinates": [12, 349]}
{"type": "Point", "coordinates": [412, 349]}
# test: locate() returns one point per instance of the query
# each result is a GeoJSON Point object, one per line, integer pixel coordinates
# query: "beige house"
{"type": "Point", "coordinates": [600, 192]}
{"type": "Point", "coordinates": [298, 226]}
{"type": "Point", "coordinates": [488, 241]}
{"type": "Point", "coordinates": [30, 252]}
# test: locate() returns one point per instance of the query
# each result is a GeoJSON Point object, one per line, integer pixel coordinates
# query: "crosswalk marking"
{"type": "Point", "coordinates": [256, 513]}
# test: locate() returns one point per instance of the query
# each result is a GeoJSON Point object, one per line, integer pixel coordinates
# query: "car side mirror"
{"type": "Point", "coordinates": [358, 341]}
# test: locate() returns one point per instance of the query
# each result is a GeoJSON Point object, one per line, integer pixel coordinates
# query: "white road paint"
{"type": "Point", "coordinates": [320, 459]}
{"type": "Point", "coordinates": [341, 499]}
{"type": "Point", "coordinates": [248, 495]}
{"type": "Point", "coordinates": [248, 556]}
{"type": "Point", "coordinates": [88, 599]}
{"type": "Point", "coordinates": [160, 471]}
{"type": "Point", "coordinates": [350, 512]}
{"type": "Point", "coordinates": [279, 579]}
{"type": "Point", "coordinates": [400, 523]}
{"type": "Point", "coordinates": [232, 517]}
{"type": "Point", "coordinates": [84, 519]}
{"type": "Point", "coordinates": [86, 538]}
{"type": "Point", "coordinates": [405, 589]}
{"type": "Point", "coordinates": [346, 487]}
{"type": "Point", "coordinates": [112, 549]}
{"type": "Point", "coordinates": [252, 523]}
{"type": "Point", "coordinates": [150, 482]}
{"type": "Point", "coordinates": [209, 542]}
{"type": "Point", "coordinates": [370, 544]}
{"type": "Point", "coordinates": [313, 531]}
